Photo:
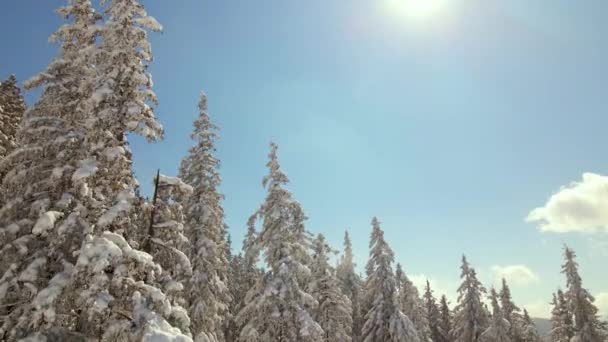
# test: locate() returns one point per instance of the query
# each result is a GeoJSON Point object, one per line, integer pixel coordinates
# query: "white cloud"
{"type": "Point", "coordinates": [601, 301]}
{"type": "Point", "coordinates": [579, 207]}
{"type": "Point", "coordinates": [439, 288]}
{"type": "Point", "coordinates": [518, 275]}
{"type": "Point", "coordinates": [539, 309]}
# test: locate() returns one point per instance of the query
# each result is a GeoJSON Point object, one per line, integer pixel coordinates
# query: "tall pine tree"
{"type": "Point", "coordinates": [384, 321]}
{"type": "Point", "coordinates": [411, 304]}
{"type": "Point", "coordinates": [115, 290]}
{"type": "Point", "coordinates": [12, 108]}
{"type": "Point", "coordinates": [470, 317]}
{"type": "Point", "coordinates": [432, 313]}
{"type": "Point", "coordinates": [445, 321]}
{"type": "Point", "coordinates": [587, 324]}
{"type": "Point", "coordinates": [562, 325]}
{"type": "Point", "coordinates": [529, 333]}
{"type": "Point", "coordinates": [208, 289]}
{"type": "Point", "coordinates": [278, 308]}
{"type": "Point", "coordinates": [498, 331]}
{"type": "Point", "coordinates": [510, 312]}
{"type": "Point", "coordinates": [168, 245]}
{"type": "Point", "coordinates": [351, 285]}
{"type": "Point", "coordinates": [334, 312]}
{"type": "Point", "coordinates": [42, 217]}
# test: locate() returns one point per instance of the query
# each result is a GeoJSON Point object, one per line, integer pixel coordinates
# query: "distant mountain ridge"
{"type": "Point", "coordinates": [543, 326]}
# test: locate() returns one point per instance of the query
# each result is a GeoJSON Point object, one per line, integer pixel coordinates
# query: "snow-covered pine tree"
{"type": "Point", "coordinates": [42, 215]}
{"type": "Point", "coordinates": [12, 108]}
{"type": "Point", "coordinates": [470, 315]}
{"type": "Point", "coordinates": [237, 290]}
{"type": "Point", "coordinates": [587, 324]}
{"type": "Point", "coordinates": [445, 321]}
{"type": "Point", "coordinates": [121, 105]}
{"type": "Point", "coordinates": [334, 312]}
{"type": "Point", "coordinates": [529, 333]}
{"type": "Point", "coordinates": [244, 268]}
{"type": "Point", "coordinates": [432, 313]}
{"type": "Point", "coordinates": [351, 285]}
{"type": "Point", "coordinates": [384, 321]}
{"type": "Point", "coordinates": [498, 331]}
{"type": "Point", "coordinates": [411, 304]}
{"type": "Point", "coordinates": [511, 312]}
{"type": "Point", "coordinates": [278, 307]}
{"type": "Point", "coordinates": [115, 286]}
{"type": "Point", "coordinates": [168, 245]}
{"type": "Point", "coordinates": [562, 325]}
{"type": "Point", "coordinates": [208, 291]}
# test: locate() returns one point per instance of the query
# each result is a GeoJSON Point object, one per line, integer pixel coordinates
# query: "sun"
{"type": "Point", "coordinates": [415, 10]}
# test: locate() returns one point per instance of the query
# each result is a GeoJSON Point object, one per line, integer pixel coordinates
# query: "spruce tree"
{"type": "Point", "coordinates": [411, 304]}
{"type": "Point", "coordinates": [529, 331]}
{"type": "Point", "coordinates": [209, 295]}
{"type": "Point", "coordinates": [168, 245]}
{"type": "Point", "coordinates": [498, 331]}
{"type": "Point", "coordinates": [470, 315]}
{"type": "Point", "coordinates": [384, 321]}
{"type": "Point", "coordinates": [12, 108]}
{"type": "Point", "coordinates": [432, 314]}
{"type": "Point", "coordinates": [445, 321]}
{"type": "Point", "coordinates": [351, 285]}
{"type": "Point", "coordinates": [42, 215]}
{"type": "Point", "coordinates": [562, 325]}
{"type": "Point", "coordinates": [511, 312]}
{"type": "Point", "coordinates": [278, 308]}
{"type": "Point", "coordinates": [334, 312]}
{"type": "Point", "coordinates": [587, 324]}
{"type": "Point", "coordinates": [115, 287]}
{"type": "Point", "coordinates": [121, 105]}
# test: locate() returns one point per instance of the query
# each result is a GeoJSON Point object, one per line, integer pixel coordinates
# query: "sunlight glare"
{"type": "Point", "coordinates": [415, 10]}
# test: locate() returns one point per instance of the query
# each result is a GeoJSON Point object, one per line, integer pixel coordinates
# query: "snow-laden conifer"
{"type": "Point", "coordinates": [208, 291]}
{"type": "Point", "coordinates": [115, 285]}
{"type": "Point", "coordinates": [351, 285]}
{"type": "Point", "coordinates": [432, 313]}
{"type": "Point", "coordinates": [411, 304]}
{"type": "Point", "coordinates": [121, 105]}
{"type": "Point", "coordinates": [334, 312]}
{"type": "Point", "coordinates": [42, 217]}
{"type": "Point", "coordinates": [384, 321]}
{"type": "Point", "coordinates": [499, 329]}
{"type": "Point", "coordinates": [587, 324]}
{"type": "Point", "coordinates": [246, 273]}
{"type": "Point", "coordinates": [562, 324]}
{"type": "Point", "coordinates": [12, 108]}
{"type": "Point", "coordinates": [445, 321]}
{"type": "Point", "coordinates": [168, 245]}
{"type": "Point", "coordinates": [529, 333]}
{"type": "Point", "coordinates": [278, 307]}
{"type": "Point", "coordinates": [470, 315]}
{"type": "Point", "coordinates": [510, 312]}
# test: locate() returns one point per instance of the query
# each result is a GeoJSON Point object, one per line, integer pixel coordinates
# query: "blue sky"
{"type": "Point", "coordinates": [450, 129]}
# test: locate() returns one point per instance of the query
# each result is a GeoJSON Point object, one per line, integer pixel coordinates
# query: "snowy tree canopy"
{"type": "Point", "coordinates": [12, 108]}
{"type": "Point", "coordinates": [278, 308]}
{"type": "Point", "coordinates": [498, 330]}
{"type": "Point", "coordinates": [384, 321]}
{"type": "Point", "coordinates": [470, 316]}
{"type": "Point", "coordinates": [562, 325]}
{"type": "Point", "coordinates": [587, 324]}
{"type": "Point", "coordinates": [351, 285]}
{"type": "Point", "coordinates": [334, 312]}
{"type": "Point", "coordinates": [411, 304]}
{"type": "Point", "coordinates": [208, 289]}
